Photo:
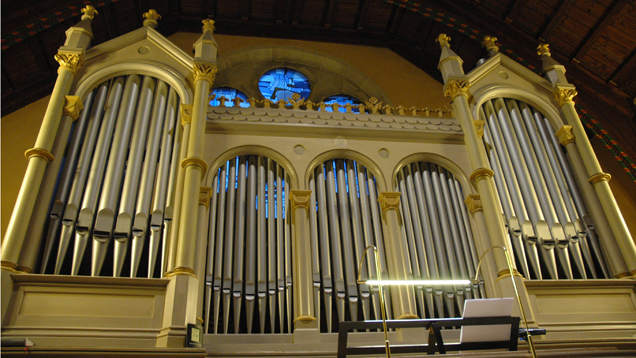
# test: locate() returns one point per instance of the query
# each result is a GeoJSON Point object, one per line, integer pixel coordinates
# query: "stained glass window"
{"type": "Point", "coordinates": [229, 93]}
{"type": "Point", "coordinates": [281, 83]}
{"type": "Point", "coordinates": [342, 100]}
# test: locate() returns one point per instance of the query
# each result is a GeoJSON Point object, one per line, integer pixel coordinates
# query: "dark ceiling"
{"type": "Point", "coordinates": [594, 39]}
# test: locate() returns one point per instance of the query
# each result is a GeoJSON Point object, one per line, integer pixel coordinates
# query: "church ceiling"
{"type": "Point", "coordinates": [594, 39]}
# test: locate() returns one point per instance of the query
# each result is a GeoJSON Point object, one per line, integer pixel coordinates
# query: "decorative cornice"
{"type": "Point", "coordinates": [565, 136]}
{"type": "Point", "coordinates": [456, 88]}
{"type": "Point", "coordinates": [473, 203]}
{"type": "Point", "coordinates": [599, 177]}
{"type": "Point", "coordinates": [481, 172]}
{"type": "Point", "coordinates": [89, 12]}
{"type": "Point", "coordinates": [205, 193]}
{"type": "Point", "coordinates": [204, 72]}
{"type": "Point", "coordinates": [300, 198]}
{"type": "Point", "coordinates": [564, 95]}
{"type": "Point", "coordinates": [195, 161]}
{"type": "Point", "coordinates": [479, 127]}
{"type": "Point", "coordinates": [151, 18]}
{"type": "Point", "coordinates": [69, 61]}
{"type": "Point", "coordinates": [186, 114]}
{"type": "Point", "coordinates": [39, 152]}
{"type": "Point", "coordinates": [72, 106]}
{"type": "Point", "coordinates": [389, 200]}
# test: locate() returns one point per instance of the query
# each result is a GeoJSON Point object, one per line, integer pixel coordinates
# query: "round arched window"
{"type": "Point", "coordinates": [230, 94]}
{"type": "Point", "coordinates": [281, 83]}
{"type": "Point", "coordinates": [342, 100]}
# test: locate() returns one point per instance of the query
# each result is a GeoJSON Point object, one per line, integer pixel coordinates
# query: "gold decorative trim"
{"type": "Point", "coordinates": [9, 266]}
{"type": "Point", "coordinates": [389, 200]}
{"type": "Point", "coordinates": [443, 40]}
{"type": "Point", "coordinates": [479, 127]}
{"type": "Point", "coordinates": [506, 273]}
{"type": "Point", "coordinates": [204, 72]}
{"type": "Point", "coordinates": [23, 269]}
{"type": "Point", "coordinates": [200, 320]}
{"type": "Point", "coordinates": [490, 43]}
{"type": "Point", "coordinates": [69, 61]}
{"type": "Point", "coordinates": [205, 193]}
{"type": "Point", "coordinates": [181, 271]}
{"type": "Point", "coordinates": [480, 172]}
{"type": "Point", "coordinates": [408, 316]}
{"type": "Point", "coordinates": [633, 273]}
{"type": "Point", "coordinates": [39, 152]}
{"type": "Point", "coordinates": [186, 114]}
{"type": "Point", "coordinates": [543, 50]}
{"type": "Point", "coordinates": [305, 319]}
{"type": "Point", "coordinates": [89, 12]}
{"type": "Point", "coordinates": [599, 177]}
{"type": "Point", "coordinates": [196, 161]}
{"type": "Point", "coordinates": [456, 88]}
{"type": "Point", "coordinates": [564, 95]}
{"type": "Point", "coordinates": [151, 18]}
{"type": "Point", "coordinates": [565, 136]}
{"type": "Point", "coordinates": [300, 198]}
{"type": "Point", "coordinates": [208, 25]}
{"type": "Point", "coordinates": [473, 203]}
{"type": "Point", "coordinates": [623, 275]}
{"type": "Point", "coordinates": [72, 106]}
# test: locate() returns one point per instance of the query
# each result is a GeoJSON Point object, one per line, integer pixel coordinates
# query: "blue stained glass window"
{"type": "Point", "coordinates": [281, 83]}
{"type": "Point", "coordinates": [342, 100]}
{"type": "Point", "coordinates": [229, 93]}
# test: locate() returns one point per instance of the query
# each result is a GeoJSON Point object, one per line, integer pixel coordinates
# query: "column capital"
{"type": "Point", "coordinates": [598, 177]}
{"type": "Point", "coordinates": [186, 114]}
{"type": "Point", "coordinates": [454, 88]}
{"type": "Point", "coordinates": [564, 94]}
{"type": "Point", "coordinates": [389, 200]}
{"type": "Point", "coordinates": [479, 127]}
{"type": "Point", "coordinates": [300, 198]}
{"type": "Point", "coordinates": [481, 172]}
{"type": "Point", "coordinates": [565, 135]}
{"type": "Point", "coordinates": [72, 106]}
{"type": "Point", "coordinates": [473, 202]}
{"type": "Point", "coordinates": [206, 72]}
{"type": "Point", "coordinates": [39, 152]}
{"type": "Point", "coordinates": [70, 61]}
{"type": "Point", "coordinates": [205, 193]}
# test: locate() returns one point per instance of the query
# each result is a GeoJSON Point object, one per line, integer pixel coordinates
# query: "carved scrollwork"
{"type": "Point", "coordinates": [69, 61]}
{"type": "Point", "coordinates": [204, 72]}
{"type": "Point", "coordinates": [455, 88]}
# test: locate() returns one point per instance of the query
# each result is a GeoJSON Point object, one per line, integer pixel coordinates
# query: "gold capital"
{"type": "Point", "coordinates": [598, 177]}
{"type": "Point", "coordinates": [39, 152]}
{"type": "Point", "coordinates": [543, 50]}
{"type": "Point", "coordinates": [69, 61]}
{"type": "Point", "coordinates": [565, 136]}
{"type": "Point", "coordinates": [479, 127]}
{"type": "Point", "coordinates": [195, 161]}
{"type": "Point", "coordinates": [204, 72]}
{"type": "Point", "coordinates": [443, 40]}
{"type": "Point", "coordinates": [89, 12]}
{"type": "Point", "coordinates": [72, 106]}
{"type": "Point", "coordinates": [564, 95]}
{"type": "Point", "coordinates": [151, 18]}
{"type": "Point", "coordinates": [473, 203]}
{"type": "Point", "coordinates": [205, 193]}
{"type": "Point", "coordinates": [208, 25]}
{"type": "Point", "coordinates": [300, 198]}
{"type": "Point", "coordinates": [186, 114]}
{"type": "Point", "coordinates": [481, 172]}
{"type": "Point", "coordinates": [389, 200]}
{"type": "Point", "coordinates": [455, 88]}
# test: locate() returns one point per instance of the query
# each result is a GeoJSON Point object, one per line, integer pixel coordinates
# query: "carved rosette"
{"type": "Point", "coordinates": [39, 152]}
{"type": "Point", "coordinates": [565, 136]}
{"type": "Point", "coordinates": [564, 95]}
{"type": "Point", "coordinates": [455, 88]}
{"type": "Point", "coordinates": [479, 127]}
{"type": "Point", "coordinates": [205, 193]}
{"type": "Point", "coordinates": [72, 106]}
{"type": "Point", "coordinates": [69, 61]}
{"type": "Point", "coordinates": [473, 203]}
{"type": "Point", "coordinates": [389, 201]}
{"type": "Point", "coordinates": [204, 72]}
{"type": "Point", "coordinates": [598, 177]}
{"type": "Point", "coordinates": [186, 114]}
{"type": "Point", "coordinates": [481, 172]}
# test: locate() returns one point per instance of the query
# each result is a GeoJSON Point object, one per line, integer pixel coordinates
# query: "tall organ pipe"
{"type": "Point", "coordinates": [334, 235]}
{"type": "Point", "coordinates": [325, 252]}
{"type": "Point", "coordinates": [209, 270]}
{"type": "Point", "coordinates": [261, 275]}
{"type": "Point", "coordinates": [229, 244]}
{"type": "Point", "coordinates": [315, 248]}
{"type": "Point", "coordinates": [217, 281]}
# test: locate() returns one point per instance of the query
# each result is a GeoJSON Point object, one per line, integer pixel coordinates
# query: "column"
{"type": "Point", "coordinates": [402, 297]}
{"type": "Point", "coordinates": [488, 267]}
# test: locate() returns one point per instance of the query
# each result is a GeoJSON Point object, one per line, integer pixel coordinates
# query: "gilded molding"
{"type": "Point", "coordinates": [480, 172]}
{"type": "Point", "coordinates": [456, 88]}
{"type": "Point", "coordinates": [599, 177]}
{"type": "Point", "coordinates": [443, 40]}
{"type": "Point", "coordinates": [473, 203]}
{"type": "Point", "coordinates": [506, 273]}
{"type": "Point", "coordinates": [195, 161]}
{"type": "Point", "coordinates": [181, 270]}
{"type": "Point", "coordinates": [389, 200]}
{"type": "Point", "coordinates": [633, 273]}
{"type": "Point", "coordinates": [186, 114]}
{"type": "Point", "coordinates": [543, 50]}
{"type": "Point", "coordinates": [565, 136]}
{"type": "Point", "coordinates": [479, 127]}
{"type": "Point", "coordinates": [408, 316]}
{"type": "Point", "coordinates": [69, 61]}
{"type": "Point", "coordinates": [205, 193]}
{"type": "Point", "coordinates": [39, 152]}
{"type": "Point", "coordinates": [564, 95]}
{"type": "Point", "coordinates": [9, 266]}
{"type": "Point", "coordinates": [623, 275]}
{"type": "Point", "coordinates": [300, 198]}
{"type": "Point", "coordinates": [89, 12]}
{"type": "Point", "coordinates": [22, 269]}
{"type": "Point", "coordinates": [204, 72]}
{"type": "Point", "coordinates": [305, 319]}
{"type": "Point", "coordinates": [151, 18]}
{"type": "Point", "coordinates": [72, 106]}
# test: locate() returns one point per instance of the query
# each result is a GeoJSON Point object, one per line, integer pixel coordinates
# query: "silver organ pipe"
{"type": "Point", "coordinates": [288, 253]}
{"type": "Point", "coordinates": [315, 248]}
{"type": "Point", "coordinates": [334, 235]}
{"type": "Point", "coordinates": [322, 227]}
{"type": "Point", "coordinates": [248, 240]}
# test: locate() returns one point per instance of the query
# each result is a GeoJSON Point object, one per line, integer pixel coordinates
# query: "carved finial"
{"type": "Point", "coordinates": [151, 18]}
{"type": "Point", "coordinates": [443, 40]}
{"type": "Point", "coordinates": [544, 50]}
{"type": "Point", "coordinates": [89, 12]}
{"type": "Point", "coordinates": [208, 25]}
{"type": "Point", "coordinates": [490, 43]}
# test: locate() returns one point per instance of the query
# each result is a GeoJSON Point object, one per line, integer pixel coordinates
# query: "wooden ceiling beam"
{"type": "Point", "coordinates": [395, 19]}
{"type": "Point", "coordinates": [605, 21]}
{"type": "Point", "coordinates": [328, 13]}
{"type": "Point", "coordinates": [246, 6]}
{"type": "Point", "coordinates": [361, 14]}
{"type": "Point", "coordinates": [210, 8]}
{"type": "Point", "coordinates": [626, 71]}
{"type": "Point", "coordinates": [513, 14]}
{"type": "Point", "coordinates": [297, 11]}
{"type": "Point", "coordinates": [565, 6]}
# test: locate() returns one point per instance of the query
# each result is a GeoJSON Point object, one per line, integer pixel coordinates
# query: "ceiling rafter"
{"type": "Point", "coordinates": [513, 14]}
{"type": "Point", "coordinates": [556, 18]}
{"type": "Point", "coordinates": [395, 20]}
{"type": "Point", "coordinates": [298, 8]}
{"type": "Point", "coordinates": [246, 6]}
{"type": "Point", "coordinates": [361, 14]}
{"type": "Point", "coordinates": [328, 13]}
{"type": "Point", "coordinates": [626, 69]}
{"type": "Point", "coordinates": [605, 21]}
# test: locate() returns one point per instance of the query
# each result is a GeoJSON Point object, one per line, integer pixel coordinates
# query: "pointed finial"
{"type": "Point", "coordinates": [490, 43]}
{"type": "Point", "coordinates": [208, 25]}
{"type": "Point", "coordinates": [544, 50]}
{"type": "Point", "coordinates": [443, 40]}
{"type": "Point", "coordinates": [89, 12]}
{"type": "Point", "coordinates": [151, 18]}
